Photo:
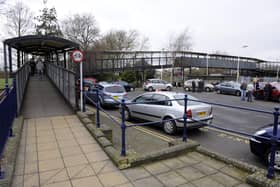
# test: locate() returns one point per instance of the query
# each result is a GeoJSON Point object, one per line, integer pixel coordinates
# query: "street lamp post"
{"type": "Point", "coordinates": [238, 64]}
{"type": "Point", "coordinates": [207, 64]}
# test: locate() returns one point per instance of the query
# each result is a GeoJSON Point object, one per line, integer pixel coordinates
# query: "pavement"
{"type": "Point", "coordinates": [59, 151]}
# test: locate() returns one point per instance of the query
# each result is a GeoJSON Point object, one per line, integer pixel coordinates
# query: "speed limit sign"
{"type": "Point", "coordinates": [77, 56]}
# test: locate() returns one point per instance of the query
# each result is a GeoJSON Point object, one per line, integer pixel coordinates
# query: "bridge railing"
{"type": "Point", "coordinates": [22, 77]}
{"type": "Point", "coordinates": [8, 112]}
{"type": "Point", "coordinates": [64, 80]}
{"type": "Point", "coordinates": [123, 104]}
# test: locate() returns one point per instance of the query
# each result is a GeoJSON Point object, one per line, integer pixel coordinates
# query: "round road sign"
{"type": "Point", "coordinates": [77, 56]}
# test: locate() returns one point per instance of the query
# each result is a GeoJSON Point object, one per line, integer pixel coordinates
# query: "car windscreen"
{"type": "Point", "coordinates": [114, 89]}
{"type": "Point", "coordinates": [182, 102]}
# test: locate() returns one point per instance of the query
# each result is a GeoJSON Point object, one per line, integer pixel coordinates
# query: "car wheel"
{"type": "Point", "coordinates": [187, 89]}
{"type": "Point", "coordinates": [237, 93]}
{"type": "Point", "coordinates": [169, 127]}
{"type": "Point", "coordinates": [150, 89]}
{"type": "Point", "coordinates": [277, 158]}
{"type": "Point", "coordinates": [127, 115]}
{"type": "Point", "coordinates": [207, 89]}
{"type": "Point", "coordinates": [219, 92]}
{"type": "Point", "coordinates": [168, 88]}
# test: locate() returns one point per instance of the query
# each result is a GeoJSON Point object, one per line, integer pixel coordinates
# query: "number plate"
{"type": "Point", "coordinates": [201, 114]}
{"type": "Point", "coordinates": [116, 97]}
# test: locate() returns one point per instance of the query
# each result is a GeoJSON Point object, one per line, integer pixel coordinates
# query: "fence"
{"type": "Point", "coordinates": [22, 77]}
{"type": "Point", "coordinates": [64, 80]}
{"type": "Point", "coordinates": [273, 140]}
{"type": "Point", "coordinates": [8, 111]}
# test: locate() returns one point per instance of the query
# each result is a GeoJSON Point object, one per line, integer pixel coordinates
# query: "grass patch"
{"type": "Point", "coordinates": [2, 83]}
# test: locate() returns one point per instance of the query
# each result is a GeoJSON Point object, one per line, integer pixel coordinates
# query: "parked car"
{"type": "Point", "coordinates": [164, 110]}
{"type": "Point", "coordinates": [110, 95]}
{"type": "Point", "coordinates": [230, 87]}
{"type": "Point", "coordinates": [275, 91]}
{"type": "Point", "coordinates": [261, 147]}
{"type": "Point", "coordinates": [127, 86]}
{"type": "Point", "coordinates": [154, 84]}
{"type": "Point", "coordinates": [188, 85]}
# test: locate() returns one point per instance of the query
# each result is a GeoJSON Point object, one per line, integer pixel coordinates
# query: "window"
{"type": "Point", "coordinates": [182, 101]}
{"type": "Point", "coordinates": [144, 98]}
{"type": "Point", "coordinates": [161, 100]}
{"type": "Point", "coordinates": [115, 89]}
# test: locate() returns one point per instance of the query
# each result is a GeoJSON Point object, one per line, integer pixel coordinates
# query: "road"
{"type": "Point", "coordinates": [228, 144]}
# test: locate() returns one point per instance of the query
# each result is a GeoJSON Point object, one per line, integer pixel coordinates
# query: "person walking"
{"type": "Point", "coordinates": [40, 67]}
{"type": "Point", "coordinates": [250, 89]}
{"type": "Point", "coordinates": [193, 86]}
{"type": "Point", "coordinates": [32, 66]}
{"type": "Point", "coordinates": [243, 89]}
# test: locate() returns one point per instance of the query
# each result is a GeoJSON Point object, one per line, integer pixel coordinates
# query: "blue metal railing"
{"type": "Point", "coordinates": [8, 112]}
{"type": "Point", "coordinates": [274, 141]}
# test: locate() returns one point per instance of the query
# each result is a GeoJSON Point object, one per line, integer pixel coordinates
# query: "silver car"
{"type": "Point", "coordinates": [164, 110]}
{"type": "Point", "coordinates": [156, 84]}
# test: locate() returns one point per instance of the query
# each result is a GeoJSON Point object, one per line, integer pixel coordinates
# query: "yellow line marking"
{"type": "Point", "coordinates": [145, 130]}
{"type": "Point", "coordinates": [228, 133]}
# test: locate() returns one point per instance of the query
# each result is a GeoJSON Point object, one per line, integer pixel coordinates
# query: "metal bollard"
{"type": "Point", "coordinates": [270, 173]}
{"type": "Point", "coordinates": [97, 109]}
{"type": "Point", "coordinates": [185, 119]}
{"type": "Point", "coordinates": [84, 100]}
{"type": "Point", "coordinates": [123, 127]}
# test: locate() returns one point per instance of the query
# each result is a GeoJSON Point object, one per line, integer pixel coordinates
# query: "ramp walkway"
{"type": "Point", "coordinates": [43, 100]}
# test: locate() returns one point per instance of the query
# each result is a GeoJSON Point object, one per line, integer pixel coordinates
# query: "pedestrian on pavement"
{"type": "Point", "coordinates": [32, 66]}
{"type": "Point", "coordinates": [40, 68]}
{"type": "Point", "coordinates": [250, 89]}
{"type": "Point", "coordinates": [193, 86]}
{"type": "Point", "coordinates": [243, 89]}
{"type": "Point", "coordinates": [267, 91]}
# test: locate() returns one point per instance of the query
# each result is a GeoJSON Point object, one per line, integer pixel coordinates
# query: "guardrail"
{"type": "Point", "coordinates": [8, 112]}
{"type": "Point", "coordinates": [123, 104]}
{"type": "Point", "coordinates": [22, 77]}
{"type": "Point", "coordinates": [64, 80]}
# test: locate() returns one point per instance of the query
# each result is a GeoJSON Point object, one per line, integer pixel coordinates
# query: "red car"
{"type": "Point", "coordinates": [273, 91]}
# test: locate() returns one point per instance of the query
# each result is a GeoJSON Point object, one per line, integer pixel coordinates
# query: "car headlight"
{"type": "Point", "coordinates": [260, 132]}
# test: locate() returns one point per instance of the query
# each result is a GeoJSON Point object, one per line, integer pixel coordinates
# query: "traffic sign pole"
{"type": "Point", "coordinates": [81, 86]}
{"type": "Point", "coordinates": [78, 57]}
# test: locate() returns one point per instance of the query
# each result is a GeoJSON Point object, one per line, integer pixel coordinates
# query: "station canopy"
{"type": "Point", "coordinates": [41, 45]}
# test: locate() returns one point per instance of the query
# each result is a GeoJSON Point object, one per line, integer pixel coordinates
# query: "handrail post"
{"type": "Point", "coordinates": [185, 119]}
{"type": "Point", "coordinates": [84, 100]}
{"type": "Point", "coordinates": [270, 173]}
{"type": "Point", "coordinates": [123, 127]}
{"type": "Point", "coordinates": [97, 109]}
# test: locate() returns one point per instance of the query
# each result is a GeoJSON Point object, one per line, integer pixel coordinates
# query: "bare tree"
{"type": "Point", "coordinates": [81, 28]}
{"type": "Point", "coordinates": [2, 3]}
{"type": "Point", "coordinates": [121, 40]}
{"type": "Point", "coordinates": [180, 42]}
{"type": "Point", "coordinates": [19, 19]}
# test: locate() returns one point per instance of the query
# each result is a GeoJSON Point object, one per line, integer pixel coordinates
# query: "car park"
{"type": "Point", "coordinates": [160, 109]}
{"type": "Point", "coordinates": [156, 84]}
{"type": "Point", "coordinates": [127, 86]}
{"type": "Point", "coordinates": [230, 87]}
{"type": "Point", "coordinates": [110, 95]}
{"type": "Point", "coordinates": [188, 85]}
{"type": "Point", "coordinates": [260, 145]}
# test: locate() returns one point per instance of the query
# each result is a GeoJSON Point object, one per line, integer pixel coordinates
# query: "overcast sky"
{"type": "Point", "coordinates": [215, 25]}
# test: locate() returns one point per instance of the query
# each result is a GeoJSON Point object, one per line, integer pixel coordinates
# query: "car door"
{"type": "Point", "coordinates": [162, 84]}
{"type": "Point", "coordinates": [139, 110]}
{"type": "Point", "coordinates": [157, 109]}
{"type": "Point", "coordinates": [226, 88]}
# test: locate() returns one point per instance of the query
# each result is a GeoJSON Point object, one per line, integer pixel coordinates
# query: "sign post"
{"type": "Point", "coordinates": [78, 57]}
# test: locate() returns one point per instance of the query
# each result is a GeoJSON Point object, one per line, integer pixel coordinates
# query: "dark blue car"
{"type": "Point", "coordinates": [262, 147]}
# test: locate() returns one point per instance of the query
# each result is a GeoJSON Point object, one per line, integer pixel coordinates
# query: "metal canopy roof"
{"type": "Point", "coordinates": [41, 45]}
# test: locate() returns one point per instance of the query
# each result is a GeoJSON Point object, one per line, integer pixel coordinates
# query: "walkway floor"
{"type": "Point", "coordinates": [59, 151]}
{"type": "Point", "coordinates": [43, 100]}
